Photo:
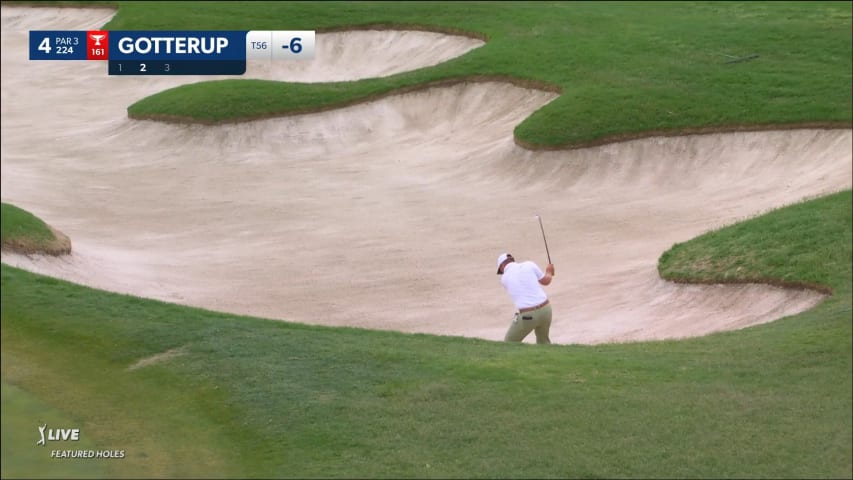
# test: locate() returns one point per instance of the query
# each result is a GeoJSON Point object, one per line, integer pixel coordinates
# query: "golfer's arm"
{"type": "Point", "coordinates": [549, 274]}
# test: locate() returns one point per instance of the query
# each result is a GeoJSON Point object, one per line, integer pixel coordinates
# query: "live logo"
{"type": "Point", "coordinates": [63, 434]}
{"type": "Point", "coordinates": [97, 45]}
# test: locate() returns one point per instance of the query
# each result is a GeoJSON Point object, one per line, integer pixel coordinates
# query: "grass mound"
{"type": "Point", "coordinates": [23, 232]}
{"type": "Point", "coordinates": [780, 248]}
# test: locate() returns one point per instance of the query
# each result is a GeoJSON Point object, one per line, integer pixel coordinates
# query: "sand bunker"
{"type": "Point", "coordinates": [388, 214]}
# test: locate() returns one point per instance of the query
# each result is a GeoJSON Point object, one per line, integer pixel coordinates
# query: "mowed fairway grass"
{"type": "Point", "coordinates": [242, 397]}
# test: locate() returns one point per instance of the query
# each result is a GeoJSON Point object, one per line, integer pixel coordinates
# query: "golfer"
{"type": "Point", "coordinates": [523, 281]}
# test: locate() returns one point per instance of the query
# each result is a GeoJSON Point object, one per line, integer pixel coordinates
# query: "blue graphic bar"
{"type": "Point", "coordinates": [177, 67]}
{"type": "Point", "coordinates": [58, 45]}
{"type": "Point", "coordinates": [176, 52]}
{"type": "Point", "coordinates": [181, 45]}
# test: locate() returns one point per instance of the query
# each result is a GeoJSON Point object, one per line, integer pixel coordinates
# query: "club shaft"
{"type": "Point", "coordinates": [547, 252]}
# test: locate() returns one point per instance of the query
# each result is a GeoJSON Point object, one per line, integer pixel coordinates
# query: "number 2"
{"type": "Point", "coordinates": [44, 46]}
{"type": "Point", "coordinates": [142, 67]}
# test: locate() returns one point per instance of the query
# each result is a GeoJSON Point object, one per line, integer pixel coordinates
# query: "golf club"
{"type": "Point", "coordinates": [544, 239]}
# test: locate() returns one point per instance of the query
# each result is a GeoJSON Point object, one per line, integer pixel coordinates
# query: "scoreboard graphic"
{"type": "Point", "coordinates": [178, 52]}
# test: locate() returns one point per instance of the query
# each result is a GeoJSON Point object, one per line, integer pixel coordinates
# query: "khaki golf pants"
{"type": "Point", "coordinates": [524, 323]}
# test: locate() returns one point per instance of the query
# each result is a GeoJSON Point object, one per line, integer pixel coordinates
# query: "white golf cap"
{"type": "Point", "coordinates": [501, 259]}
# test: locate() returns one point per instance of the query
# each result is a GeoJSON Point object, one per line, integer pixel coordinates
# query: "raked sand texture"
{"type": "Point", "coordinates": [388, 214]}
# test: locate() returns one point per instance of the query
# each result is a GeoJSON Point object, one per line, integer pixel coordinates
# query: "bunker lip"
{"type": "Point", "coordinates": [788, 285]}
{"type": "Point", "coordinates": [449, 82]}
{"type": "Point", "coordinates": [337, 217]}
{"type": "Point", "coordinates": [59, 245]}
{"type": "Point", "coordinates": [681, 132]}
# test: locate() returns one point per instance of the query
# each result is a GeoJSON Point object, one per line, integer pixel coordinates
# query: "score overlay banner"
{"type": "Point", "coordinates": [179, 52]}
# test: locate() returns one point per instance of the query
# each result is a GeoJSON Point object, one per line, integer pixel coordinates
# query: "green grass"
{"type": "Point", "coordinates": [20, 230]}
{"type": "Point", "coordinates": [260, 398]}
{"type": "Point", "coordinates": [18, 458]}
{"type": "Point", "coordinates": [300, 401]}
{"type": "Point", "coordinates": [786, 247]}
{"type": "Point", "coordinates": [19, 224]}
{"type": "Point", "coordinates": [624, 70]}
{"type": "Point", "coordinates": [150, 413]}
{"type": "Point", "coordinates": [256, 398]}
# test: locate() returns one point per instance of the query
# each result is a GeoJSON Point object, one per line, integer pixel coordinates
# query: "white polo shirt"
{"type": "Point", "coordinates": [521, 280]}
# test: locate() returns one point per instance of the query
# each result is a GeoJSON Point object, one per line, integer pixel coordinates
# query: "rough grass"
{"type": "Point", "coordinates": [19, 458]}
{"type": "Point", "coordinates": [255, 398]}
